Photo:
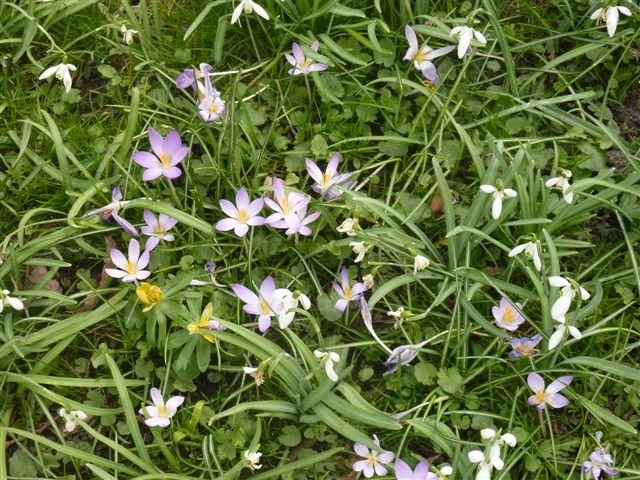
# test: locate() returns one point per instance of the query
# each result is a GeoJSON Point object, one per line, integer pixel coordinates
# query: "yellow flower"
{"type": "Point", "coordinates": [206, 323]}
{"type": "Point", "coordinates": [149, 294]}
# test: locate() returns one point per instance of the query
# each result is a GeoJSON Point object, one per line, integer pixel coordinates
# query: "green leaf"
{"type": "Point", "coordinates": [21, 465]}
{"type": "Point", "coordinates": [425, 373]}
{"type": "Point", "coordinates": [605, 415]}
{"type": "Point", "coordinates": [607, 366]}
{"type": "Point", "coordinates": [319, 145]}
{"type": "Point", "coordinates": [290, 436]}
{"type": "Point", "coordinates": [450, 379]}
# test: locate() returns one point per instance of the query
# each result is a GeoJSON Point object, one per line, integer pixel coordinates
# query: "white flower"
{"type": "Point", "coordinates": [465, 35]}
{"type": "Point", "coordinates": [487, 433]}
{"type": "Point", "coordinates": [7, 300]}
{"type": "Point", "coordinates": [446, 470]}
{"type": "Point", "coordinates": [420, 263]}
{"type": "Point", "coordinates": [531, 250]}
{"type": "Point", "coordinates": [248, 6]}
{"type": "Point", "coordinates": [61, 72]}
{"type": "Point", "coordinates": [127, 34]}
{"type": "Point", "coordinates": [290, 301]}
{"type": "Point", "coordinates": [558, 335]}
{"type": "Point", "coordinates": [329, 359]}
{"type": "Point", "coordinates": [360, 249]}
{"type": "Point", "coordinates": [611, 16]}
{"type": "Point", "coordinates": [396, 313]}
{"type": "Point", "coordinates": [568, 292]}
{"type": "Point", "coordinates": [561, 183]}
{"type": "Point", "coordinates": [160, 413]}
{"type": "Point", "coordinates": [368, 281]}
{"type": "Point", "coordinates": [498, 195]}
{"type": "Point", "coordinates": [253, 458]}
{"type": "Point", "coordinates": [71, 418]}
{"type": "Point", "coordinates": [349, 227]}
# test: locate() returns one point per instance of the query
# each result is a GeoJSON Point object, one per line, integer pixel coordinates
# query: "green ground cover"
{"type": "Point", "coordinates": [319, 239]}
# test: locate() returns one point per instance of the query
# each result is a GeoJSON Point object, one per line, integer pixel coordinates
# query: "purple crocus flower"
{"type": "Point", "coordinates": [241, 215]}
{"type": "Point", "coordinates": [402, 355]}
{"type": "Point", "coordinates": [285, 206]}
{"type": "Point", "coordinates": [507, 316]}
{"type": "Point", "coordinates": [422, 56]}
{"type": "Point", "coordinates": [548, 396]}
{"type": "Point", "coordinates": [190, 76]}
{"type": "Point", "coordinates": [374, 460]}
{"type": "Point", "coordinates": [111, 211]}
{"type": "Point", "coordinates": [404, 472]}
{"type": "Point", "coordinates": [157, 228]}
{"type": "Point", "coordinates": [525, 346]}
{"type": "Point", "coordinates": [599, 461]}
{"type": "Point", "coordinates": [266, 305]}
{"type": "Point", "coordinates": [301, 63]}
{"type": "Point", "coordinates": [131, 268]}
{"type": "Point", "coordinates": [329, 183]}
{"type": "Point", "coordinates": [211, 107]}
{"type": "Point", "coordinates": [167, 154]}
{"type": "Point", "coordinates": [347, 292]}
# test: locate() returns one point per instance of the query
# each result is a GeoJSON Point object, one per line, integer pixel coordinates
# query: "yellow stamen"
{"type": "Point", "coordinates": [165, 160]}
{"type": "Point", "coordinates": [509, 315]}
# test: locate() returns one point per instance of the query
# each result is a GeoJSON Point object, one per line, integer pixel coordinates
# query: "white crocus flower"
{"type": "Point", "coordinates": [349, 226]}
{"type": "Point", "coordinates": [360, 249]}
{"type": "Point", "coordinates": [127, 34]}
{"type": "Point", "coordinates": [329, 359]}
{"type": "Point", "coordinates": [368, 281]}
{"type": "Point", "coordinates": [290, 301]}
{"type": "Point", "coordinates": [248, 6]}
{"type": "Point", "coordinates": [253, 458]}
{"type": "Point", "coordinates": [531, 250]}
{"type": "Point", "coordinates": [71, 418]}
{"type": "Point", "coordinates": [559, 334]}
{"type": "Point", "coordinates": [420, 263]}
{"type": "Point", "coordinates": [7, 300]}
{"type": "Point", "coordinates": [498, 195]}
{"type": "Point", "coordinates": [610, 15]}
{"type": "Point", "coordinates": [464, 35]}
{"type": "Point", "coordinates": [561, 306]}
{"type": "Point", "coordinates": [61, 72]}
{"type": "Point", "coordinates": [561, 183]}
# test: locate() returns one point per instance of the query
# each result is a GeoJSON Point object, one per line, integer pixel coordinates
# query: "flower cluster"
{"type": "Point", "coordinates": [211, 106]}
{"type": "Point", "coordinates": [271, 302]}
{"type": "Point", "coordinates": [490, 458]}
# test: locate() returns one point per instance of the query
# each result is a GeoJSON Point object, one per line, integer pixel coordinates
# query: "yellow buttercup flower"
{"type": "Point", "coordinates": [149, 294]}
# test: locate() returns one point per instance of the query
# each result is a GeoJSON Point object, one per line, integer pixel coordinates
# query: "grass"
{"type": "Point", "coordinates": [548, 92]}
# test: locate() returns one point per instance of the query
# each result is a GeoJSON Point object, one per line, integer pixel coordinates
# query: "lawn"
{"type": "Point", "coordinates": [319, 239]}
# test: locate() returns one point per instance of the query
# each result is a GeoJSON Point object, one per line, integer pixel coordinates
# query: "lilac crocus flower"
{"type": "Point", "coordinates": [402, 355]}
{"type": "Point", "coordinates": [549, 395]}
{"type": "Point", "coordinates": [285, 206]}
{"type": "Point", "coordinates": [599, 461]}
{"type": "Point", "coordinates": [211, 107]}
{"type": "Point", "coordinates": [190, 76]}
{"type": "Point", "coordinates": [422, 56]}
{"type": "Point", "coordinates": [241, 215]}
{"type": "Point", "coordinates": [298, 224]}
{"type": "Point", "coordinates": [329, 183]}
{"type": "Point", "coordinates": [347, 292]}
{"type": "Point", "coordinates": [303, 64]}
{"type": "Point", "coordinates": [403, 471]}
{"type": "Point", "coordinates": [131, 268]}
{"type": "Point", "coordinates": [507, 316]}
{"type": "Point", "coordinates": [167, 154]}
{"type": "Point", "coordinates": [524, 347]}
{"type": "Point", "coordinates": [374, 460]}
{"type": "Point", "coordinates": [111, 211]}
{"type": "Point", "coordinates": [157, 228]}
{"type": "Point", "coordinates": [266, 305]}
